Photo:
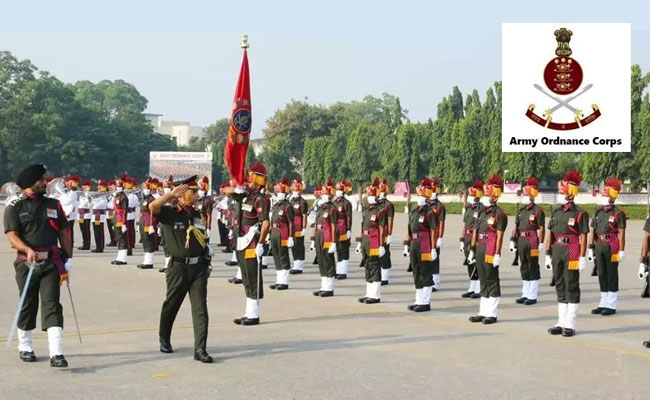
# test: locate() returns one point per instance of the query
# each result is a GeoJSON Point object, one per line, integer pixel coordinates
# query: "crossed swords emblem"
{"type": "Point", "coordinates": [564, 103]}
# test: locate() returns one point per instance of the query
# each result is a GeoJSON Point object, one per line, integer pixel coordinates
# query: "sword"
{"type": "Point", "coordinates": [561, 103]}
{"type": "Point", "coordinates": [570, 99]}
{"type": "Point", "coordinates": [74, 311]}
{"type": "Point", "coordinates": [14, 322]}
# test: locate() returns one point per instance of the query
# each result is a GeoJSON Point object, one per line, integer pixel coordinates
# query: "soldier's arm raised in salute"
{"type": "Point", "coordinates": [156, 205]}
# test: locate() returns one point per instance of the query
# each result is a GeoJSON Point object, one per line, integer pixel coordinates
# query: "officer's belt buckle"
{"type": "Point", "coordinates": [562, 240]}
{"type": "Point", "coordinates": [482, 236]}
{"type": "Point", "coordinates": [42, 255]}
{"type": "Point", "coordinates": [190, 260]}
{"type": "Point", "coordinates": [604, 237]}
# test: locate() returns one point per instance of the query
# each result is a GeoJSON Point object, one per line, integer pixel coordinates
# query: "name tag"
{"type": "Point", "coordinates": [52, 213]}
{"type": "Point", "coordinates": [490, 221]}
{"type": "Point", "coordinates": [296, 206]}
{"type": "Point", "coordinates": [611, 219]}
{"type": "Point", "coordinates": [325, 215]}
{"type": "Point", "coordinates": [531, 217]}
{"type": "Point", "coordinates": [280, 213]}
{"type": "Point", "coordinates": [572, 221]}
{"type": "Point", "coordinates": [475, 214]}
{"type": "Point", "coordinates": [340, 208]}
{"type": "Point", "coordinates": [421, 219]}
{"type": "Point", "coordinates": [373, 217]}
{"type": "Point", "coordinates": [247, 207]}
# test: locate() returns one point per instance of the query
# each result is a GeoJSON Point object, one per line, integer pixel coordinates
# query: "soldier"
{"type": "Point", "coordinates": [134, 202]}
{"type": "Point", "coordinates": [206, 204]}
{"type": "Point", "coordinates": [33, 225]}
{"type": "Point", "coordinates": [644, 272]}
{"type": "Point", "coordinates": [98, 208]}
{"type": "Point", "coordinates": [441, 214]}
{"type": "Point", "coordinates": [527, 238]}
{"type": "Point", "coordinates": [110, 213]}
{"type": "Point", "coordinates": [120, 205]}
{"type": "Point", "coordinates": [349, 195]}
{"type": "Point", "coordinates": [607, 246]}
{"type": "Point", "coordinates": [371, 244]}
{"type": "Point", "coordinates": [147, 225]}
{"type": "Point", "coordinates": [324, 240]}
{"type": "Point", "coordinates": [470, 217]}
{"type": "Point", "coordinates": [85, 214]}
{"type": "Point", "coordinates": [312, 214]}
{"type": "Point", "coordinates": [187, 271]}
{"type": "Point", "coordinates": [486, 252]}
{"type": "Point", "coordinates": [251, 227]}
{"type": "Point", "coordinates": [343, 230]}
{"type": "Point", "coordinates": [281, 235]}
{"type": "Point", "coordinates": [70, 202]}
{"type": "Point", "coordinates": [389, 211]}
{"type": "Point", "coordinates": [300, 211]}
{"type": "Point", "coordinates": [419, 246]}
{"type": "Point", "coordinates": [566, 246]}
{"type": "Point", "coordinates": [221, 206]}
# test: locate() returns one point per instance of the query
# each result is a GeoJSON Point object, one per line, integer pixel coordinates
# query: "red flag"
{"type": "Point", "coordinates": [240, 126]}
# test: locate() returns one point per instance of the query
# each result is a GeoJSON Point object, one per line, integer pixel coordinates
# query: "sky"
{"type": "Point", "coordinates": [184, 56]}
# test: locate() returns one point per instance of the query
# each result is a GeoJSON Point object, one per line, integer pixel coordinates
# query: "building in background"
{"type": "Point", "coordinates": [180, 131]}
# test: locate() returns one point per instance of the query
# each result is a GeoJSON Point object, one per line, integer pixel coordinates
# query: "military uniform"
{"type": "Point", "coordinates": [38, 221]}
{"type": "Point", "coordinates": [70, 202]}
{"type": "Point", "coordinates": [132, 207]}
{"type": "Point", "coordinates": [343, 230]}
{"type": "Point", "coordinates": [645, 292]}
{"type": "Point", "coordinates": [528, 222]}
{"type": "Point", "coordinates": [605, 224]}
{"type": "Point", "coordinates": [385, 261]}
{"type": "Point", "coordinates": [281, 232]}
{"type": "Point", "coordinates": [98, 210]}
{"type": "Point", "coordinates": [85, 215]}
{"type": "Point", "coordinates": [148, 232]}
{"type": "Point", "coordinates": [206, 207]}
{"type": "Point", "coordinates": [373, 218]}
{"type": "Point", "coordinates": [110, 216]}
{"type": "Point", "coordinates": [470, 218]}
{"type": "Point", "coordinates": [187, 271]}
{"type": "Point", "coordinates": [326, 217]}
{"type": "Point", "coordinates": [422, 221]}
{"type": "Point", "coordinates": [300, 211]}
{"type": "Point", "coordinates": [121, 205]}
{"type": "Point", "coordinates": [441, 215]}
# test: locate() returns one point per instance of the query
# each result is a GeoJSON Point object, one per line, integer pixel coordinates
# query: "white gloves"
{"type": "Point", "coordinates": [151, 231]}
{"type": "Point", "coordinates": [230, 234]}
{"type": "Point", "coordinates": [642, 272]}
{"type": "Point", "coordinates": [621, 255]}
{"type": "Point", "coordinates": [159, 231]}
{"type": "Point", "coordinates": [259, 250]}
{"type": "Point", "coordinates": [240, 190]}
{"type": "Point", "coordinates": [304, 232]}
{"type": "Point", "coordinates": [512, 248]}
{"type": "Point", "coordinates": [548, 263]}
{"type": "Point", "coordinates": [439, 243]}
{"type": "Point", "coordinates": [210, 251]}
{"type": "Point", "coordinates": [582, 263]}
{"type": "Point", "coordinates": [290, 244]}
{"type": "Point", "coordinates": [312, 246]}
{"type": "Point", "coordinates": [332, 248]}
{"type": "Point", "coordinates": [470, 257]}
{"type": "Point", "coordinates": [462, 246]}
{"type": "Point", "coordinates": [349, 235]}
{"type": "Point", "coordinates": [207, 233]}
{"type": "Point", "coordinates": [382, 251]}
{"type": "Point", "coordinates": [406, 250]}
{"type": "Point", "coordinates": [68, 265]}
{"type": "Point", "coordinates": [590, 255]}
{"type": "Point", "coordinates": [496, 260]}
{"type": "Point", "coordinates": [123, 228]}
{"type": "Point", "coordinates": [358, 248]}
{"type": "Point", "coordinates": [434, 254]}
{"type": "Point", "coordinates": [388, 239]}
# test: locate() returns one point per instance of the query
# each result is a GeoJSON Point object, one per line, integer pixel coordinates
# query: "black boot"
{"type": "Point", "coordinates": [568, 332]}
{"type": "Point", "coordinates": [521, 300]}
{"type": "Point", "coordinates": [422, 308]}
{"type": "Point", "coordinates": [58, 362]}
{"type": "Point", "coordinates": [608, 311]}
{"type": "Point", "coordinates": [362, 299]}
{"type": "Point", "coordinates": [251, 321]}
{"type": "Point", "coordinates": [145, 266]}
{"type": "Point", "coordinates": [341, 276]}
{"type": "Point", "coordinates": [165, 346]}
{"type": "Point", "coordinates": [556, 330]}
{"type": "Point", "coordinates": [489, 320]}
{"type": "Point", "coordinates": [384, 283]}
{"type": "Point", "coordinates": [203, 356]}
{"type": "Point", "coordinates": [476, 318]}
{"type": "Point", "coordinates": [27, 356]}
{"type": "Point", "coordinates": [372, 301]}
{"type": "Point", "coordinates": [530, 302]}
{"type": "Point", "coordinates": [646, 344]}
{"type": "Point", "coordinates": [295, 272]}
{"type": "Point", "coordinates": [467, 295]}
{"type": "Point", "coordinates": [597, 310]}
{"type": "Point", "coordinates": [411, 307]}
{"type": "Point", "coordinates": [231, 263]}
{"type": "Point", "coordinates": [326, 293]}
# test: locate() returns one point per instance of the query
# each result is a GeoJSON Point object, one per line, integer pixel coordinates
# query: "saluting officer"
{"type": "Point", "coordinates": [250, 226]}
{"type": "Point", "coordinates": [566, 246]}
{"type": "Point", "coordinates": [187, 271]}
{"type": "Point", "coordinates": [324, 240]}
{"type": "Point", "coordinates": [470, 217]}
{"type": "Point", "coordinates": [527, 238]}
{"type": "Point", "coordinates": [371, 244]}
{"type": "Point", "coordinates": [300, 211]}
{"type": "Point", "coordinates": [607, 246]}
{"type": "Point", "coordinates": [389, 211]}
{"type": "Point", "coordinates": [486, 252]}
{"type": "Point", "coordinates": [33, 224]}
{"type": "Point", "coordinates": [281, 235]}
{"type": "Point", "coordinates": [420, 246]}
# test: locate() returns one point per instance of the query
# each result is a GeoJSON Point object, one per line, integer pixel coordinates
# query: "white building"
{"type": "Point", "coordinates": [179, 131]}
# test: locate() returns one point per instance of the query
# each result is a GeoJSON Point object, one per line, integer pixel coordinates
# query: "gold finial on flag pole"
{"type": "Point", "coordinates": [244, 42]}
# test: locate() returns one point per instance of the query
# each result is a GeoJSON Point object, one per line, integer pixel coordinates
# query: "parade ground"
{"type": "Point", "coordinates": [332, 348]}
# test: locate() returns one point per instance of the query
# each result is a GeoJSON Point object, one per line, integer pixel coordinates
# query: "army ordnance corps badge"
{"type": "Point", "coordinates": [563, 76]}
{"type": "Point", "coordinates": [566, 87]}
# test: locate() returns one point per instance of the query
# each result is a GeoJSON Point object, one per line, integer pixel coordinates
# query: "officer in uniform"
{"type": "Point", "coordinates": [251, 226]}
{"type": "Point", "coordinates": [282, 232]}
{"type": "Point", "coordinates": [644, 271]}
{"type": "Point", "coordinates": [420, 246]}
{"type": "Point", "coordinates": [120, 205]}
{"type": "Point", "coordinates": [206, 204]}
{"type": "Point", "coordinates": [441, 214]}
{"type": "Point", "coordinates": [527, 238]}
{"type": "Point", "coordinates": [486, 252]}
{"type": "Point", "coordinates": [300, 211]}
{"type": "Point", "coordinates": [371, 244]}
{"type": "Point", "coordinates": [70, 202]}
{"type": "Point", "coordinates": [389, 211]}
{"type": "Point", "coordinates": [98, 209]}
{"type": "Point", "coordinates": [134, 203]}
{"type": "Point", "coordinates": [33, 224]}
{"type": "Point", "coordinates": [187, 271]}
{"type": "Point", "coordinates": [566, 246]}
{"type": "Point", "coordinates": [110, 213]}
{"type": "Point", "coordinates": [343, 230]}
{"type": "Point", "coordinates": [147, 225]}
{"type": "Point", "coordinates": [349, 195]}
{"type": "Point", "coordinates": [324, 240]}
{"type": "Point", "coordinates": [471, 213]}
{"type": "Point", "coordinates": [607, 246]}
{"type": "Point", "coordinates": [167, 187]}
{"type": "Point", "coordinates": [85, 214]}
